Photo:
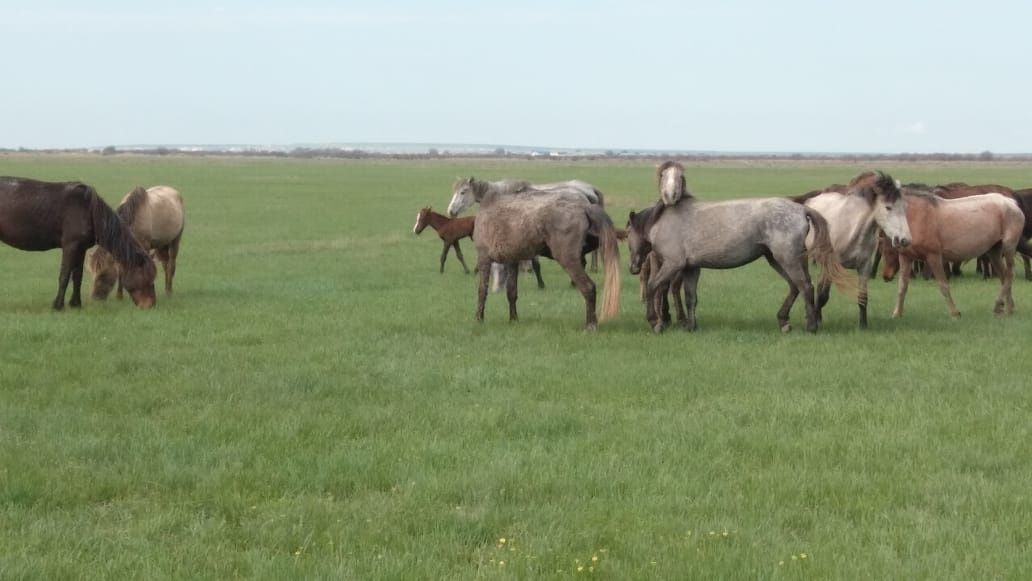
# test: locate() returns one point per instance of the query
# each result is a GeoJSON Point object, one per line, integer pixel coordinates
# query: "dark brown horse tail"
{"type": "Point", "coordinates": [824, 253]}
{"type": "Point", "coordinates": [599, 221]}
{"type": "Point", "coordinates": [111, 233]}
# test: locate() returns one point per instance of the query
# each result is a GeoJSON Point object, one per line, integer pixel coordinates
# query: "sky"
{"type": "Point", "coordinates": [771, 76]}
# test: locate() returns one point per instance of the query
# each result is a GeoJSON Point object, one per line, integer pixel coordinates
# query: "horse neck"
{"type": "Point", "coordinates": [113, 235]}
{"type": "Point", "coordinates": [437, 221]}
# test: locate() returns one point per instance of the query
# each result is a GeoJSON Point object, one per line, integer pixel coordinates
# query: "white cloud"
{"type": "Point", "coordinates": [917, 128]}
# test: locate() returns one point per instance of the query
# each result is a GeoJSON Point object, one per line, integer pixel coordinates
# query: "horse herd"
{"type": "Point", "coordinates": [147, 225]}
{"type": "Point", "coordinates": [840, 228]}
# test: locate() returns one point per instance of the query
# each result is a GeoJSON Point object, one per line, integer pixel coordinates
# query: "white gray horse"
{"type": "Point", "coordinates": [690, 235]}
{"type": "Point", "coordinates": [870, 202]}
{"type": "Point", "coordinates": [518, 223]}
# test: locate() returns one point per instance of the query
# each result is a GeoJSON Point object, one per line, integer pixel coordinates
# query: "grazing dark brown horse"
{"type": "Point", "coordinates": [37, 215]}
{"type": "Point", "coordinates": [156, 218]}
{"type": "Point", "coordinates": [956, 230]}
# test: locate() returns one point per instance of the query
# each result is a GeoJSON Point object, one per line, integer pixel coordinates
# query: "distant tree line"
{"type": "Point", "coordinates": [433, 153]}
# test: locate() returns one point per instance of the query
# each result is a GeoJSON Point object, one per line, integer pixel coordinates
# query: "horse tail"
{"type": "Point", "coordinates": [601, 199]}
{"type": "Point", "coordinates": [824, 254]}
{"type": "Point", "coordinates": [608, 244]}
{"type": "Point", "coordinates": [111, 233]}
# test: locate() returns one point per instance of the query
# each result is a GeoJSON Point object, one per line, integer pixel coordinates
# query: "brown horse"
{"type": "Point", "coordinates": [956, 230]}
{"type": "Point", "coordinates": [156, 218]}
{"type": "Point", "coordinates": [449, 230]}
{"type": "Point", "coordinates": [37, 215]}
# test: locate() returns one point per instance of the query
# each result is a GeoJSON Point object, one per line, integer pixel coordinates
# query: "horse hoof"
{"type": "Point", "coordinates": [591, 327]}
{"type": "Point", "coordinates": [786, 327]}
{"type": "Point", "coordinates": [657, 328]}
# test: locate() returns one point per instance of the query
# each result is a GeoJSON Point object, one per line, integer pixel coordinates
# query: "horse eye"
{"type": "Point", "coordinates": [889, 208]}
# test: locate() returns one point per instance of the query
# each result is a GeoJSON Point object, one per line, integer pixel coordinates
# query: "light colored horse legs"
{"type": "Point", "coordinates": [935, 264]}
{"type": "Point", "coordinates": [690, 281]}
{"type": "Point", "coordinates": [167, 256]}
{"type": "Point", "coordinates": [905, 272]}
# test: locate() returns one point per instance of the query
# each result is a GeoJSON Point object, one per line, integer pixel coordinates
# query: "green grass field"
{"type": "Point", "coordinates": [316, 401]}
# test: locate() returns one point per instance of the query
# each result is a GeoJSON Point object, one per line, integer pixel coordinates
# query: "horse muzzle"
{"type": "Point", "coordinates": [900, 242]}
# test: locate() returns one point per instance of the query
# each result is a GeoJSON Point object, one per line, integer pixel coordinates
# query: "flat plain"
{"type": "Point", "coordinates": [316, 401]}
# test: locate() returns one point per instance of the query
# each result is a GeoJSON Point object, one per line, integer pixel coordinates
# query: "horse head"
{"type": "Point", "coordinates": [672, 185]}
{"type": "Point", "coordinates": [890, 258]}
{"type": "Point", "coordinates": [138, 281]}
{"type": "Point", "coordinates": [422, 219]}
{"type": "Point", "coordinates": [890, 208]}
{"type": "Point", "coordinates": [637, 244]}
{"type": "Point", "coordinates": [463, 196]}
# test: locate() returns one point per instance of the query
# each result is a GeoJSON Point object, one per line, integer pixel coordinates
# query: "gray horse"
{"type": "Point", "coordinates": [465, 191]}
{"type": "Point", "coordinates": [690, 235]}
{"type": "Point", "coordinates": [516, 224]}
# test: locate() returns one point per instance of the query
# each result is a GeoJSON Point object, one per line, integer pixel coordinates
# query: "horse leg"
{"type": "Point", "coordinates": [163, 257]}
{"type": "Point", "coordinates": [170, 268]}
{"type": "Point", "coordinates": [797, 275]}
{"type": "Point", "coordinates": [458, 254]}
{"type": "Point", "coordinates": [690, 282]}
{"type": "Point", "coordinates": [1025, 249]}
{"type": "Point", "coordinates": [594, 260]}
{"type": "Point", "coordinates": [1005, 271]}
{"type": "Point", "coordinates": [67, 260]}
{"type": "Point", "coordinates": [484, 268]}
{"type": "Point", "coordinates": [659, 284]}
{"type": "Point", "coordinates": [511, 274]}
{"type": "Point", "coordinates": [676, 287]}
{"type": "Point", "coordinates": [78, 257]}
{"type": "Point", "coordinates": [535, 265]}
{"type": "Point", "coordinates": [863, 275]}
{"type": "Point", "coordinates": [573, 264]}
{"type": "Point", "coordinates": [905, 265]}
{"type": "Point", "coordinates": [934, 263]}
{"type": "Point", "coordinates": [444, 255]}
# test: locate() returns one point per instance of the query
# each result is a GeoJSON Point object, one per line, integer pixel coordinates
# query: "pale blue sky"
{"type": "Point", "coordinates": [788, 75]}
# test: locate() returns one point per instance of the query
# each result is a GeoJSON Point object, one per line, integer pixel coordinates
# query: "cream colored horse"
{"type": "Point", "coordinates": [155, 217]}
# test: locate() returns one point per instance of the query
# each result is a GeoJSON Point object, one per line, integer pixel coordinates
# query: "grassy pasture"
{"type": "Point", "coordinates": [316, 401]}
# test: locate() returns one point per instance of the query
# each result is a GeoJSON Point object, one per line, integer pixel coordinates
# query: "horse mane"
{"type": "Point", "coordinates": [128, 209]}
{"type": "Point", "coordinates": [924, 195]}
{"type": "Point", "coordinates": [869, 184]}
{"type": "Point", "coordinates": [802, 198]}
{"type": "Point", "coordinates": [111, 233]}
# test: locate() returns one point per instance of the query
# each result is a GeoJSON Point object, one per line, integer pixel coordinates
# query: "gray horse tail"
{"type": "Point", "coordinates": [599, 222]}
{"type": "Point", "coordinates": [824, 254]}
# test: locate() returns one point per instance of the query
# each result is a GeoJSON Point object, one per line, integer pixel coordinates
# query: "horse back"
{"type": "Point", "coordinates": [159, 218]}
{"type": "Point", "coordinates": [729, 234]}
{"type": "Point", "coordinates": [37, 215]}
